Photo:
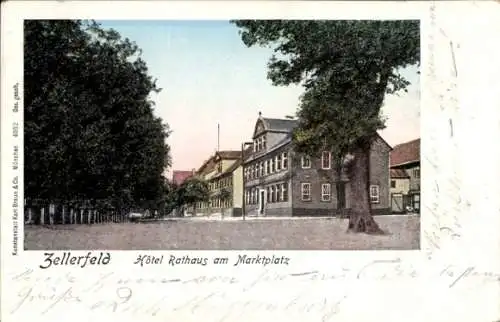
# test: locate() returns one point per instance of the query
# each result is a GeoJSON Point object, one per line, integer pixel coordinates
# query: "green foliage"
{"type": "Point", "coordinates": [191, 191]}
{"type": "Point", "coordinates": [90, 132]}
{"type": "Point", "coordinates": [345, 66]}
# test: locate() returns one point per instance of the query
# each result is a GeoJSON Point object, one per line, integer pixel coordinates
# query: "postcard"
{"type": "Point", "coordinates": [250, 160]}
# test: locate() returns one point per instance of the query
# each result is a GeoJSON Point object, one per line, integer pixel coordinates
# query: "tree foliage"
{"type": "Point", "coordinates": [346, 68]}
{"type": "Point", "coordinates": [191, 191]}
{"type": "Point", "coordinates": [90, 132]}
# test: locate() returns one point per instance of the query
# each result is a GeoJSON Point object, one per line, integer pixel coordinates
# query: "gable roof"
{"type": "Point", "coordinates": [275, 125]}
{"type": "Point", "coordinates": [210, 163]}
{"type": "Point", "coordinates": [399, 174]}
{"type": "Point", "coordinates": [206, 166]}
{"type": "Point", "coordinates": [179, 176]}
{"type": "Point", "coordinates": [405, 153]}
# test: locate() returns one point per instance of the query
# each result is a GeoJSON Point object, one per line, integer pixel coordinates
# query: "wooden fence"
{"type": "Point", "coordinates": [45, 213]}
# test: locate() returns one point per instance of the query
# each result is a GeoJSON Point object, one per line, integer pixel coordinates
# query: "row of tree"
{"type": "Point", "coordinates": [89, 128]}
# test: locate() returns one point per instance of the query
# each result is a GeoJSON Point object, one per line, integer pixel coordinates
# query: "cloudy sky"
{"type": "Point", "coordinates": [209, 77]}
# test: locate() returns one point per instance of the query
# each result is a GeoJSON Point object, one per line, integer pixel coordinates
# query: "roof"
{"type": "Point", "coordinates": [281, 125]}
{"type": "Point", "coordinates": [399, 174]}
{"type": "Point", "coordinates": [210, 164]}
{"type": "Point", "coordinates": [405, 153]}
{"type": "Point", "coordinates": [206, 166]}
{"type": "Point", "coordinates": [178, 176]}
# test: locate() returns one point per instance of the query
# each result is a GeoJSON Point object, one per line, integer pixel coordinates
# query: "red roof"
{"type": "Point", "coordinates": [178, 177]}
{"type": "Point", "coordinates": [405, 153]}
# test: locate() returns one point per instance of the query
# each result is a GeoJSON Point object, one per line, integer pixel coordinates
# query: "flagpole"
{"type": "Point", "coordinates": [218, 137]}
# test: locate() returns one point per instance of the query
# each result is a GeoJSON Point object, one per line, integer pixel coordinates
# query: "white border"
{"type": "Point", "coordinates": [454, 278]}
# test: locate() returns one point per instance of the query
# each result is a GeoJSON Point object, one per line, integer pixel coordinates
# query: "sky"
{"type": "Point", "coordinates": [209, 77]}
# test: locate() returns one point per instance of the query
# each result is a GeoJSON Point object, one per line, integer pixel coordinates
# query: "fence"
{"type": "Point", "coordinates": [401, 202]}
{"type": "Point", "coordinates": [37, 212]}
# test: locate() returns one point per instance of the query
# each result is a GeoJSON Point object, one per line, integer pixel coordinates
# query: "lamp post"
{"type": "Point", "coordinates": [243, 146]}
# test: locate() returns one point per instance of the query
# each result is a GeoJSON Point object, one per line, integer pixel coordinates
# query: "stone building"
{"type": "Point", "coordinates": [281, 182]}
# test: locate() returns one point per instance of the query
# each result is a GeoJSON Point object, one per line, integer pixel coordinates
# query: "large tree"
{"type": "Point", "coordinates": [346, 68]}
{"type": "Point", "coordinates": [89, 129]}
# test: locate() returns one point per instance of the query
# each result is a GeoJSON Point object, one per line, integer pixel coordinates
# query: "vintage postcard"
{"type": "Point", "coordinates": [186, 160]}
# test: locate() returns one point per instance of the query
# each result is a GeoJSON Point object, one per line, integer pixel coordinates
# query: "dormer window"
{"type": "Point", "coordinates": [259, 144]}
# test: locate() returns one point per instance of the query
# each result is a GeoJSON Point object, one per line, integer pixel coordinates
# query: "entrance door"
{"type": "Point", "coordinates": [341, 195]}
{"type": "Point", "coordinates": [397, 203]}
{"type": "Point", "coordinates": [262, 201]}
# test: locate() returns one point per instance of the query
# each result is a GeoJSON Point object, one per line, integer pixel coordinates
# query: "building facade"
{"type": "Point", "coordinates": [224, 174]}
{"type": "Point", "coordinates": [405, 176]}
{"type": "Point", "coordinates": [280, 182]}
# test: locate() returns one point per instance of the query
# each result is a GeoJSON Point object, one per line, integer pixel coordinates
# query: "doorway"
{"type": "Point", "coordinates": [262, 202]}
{"type": "Point", "coordinates": [341, 195]}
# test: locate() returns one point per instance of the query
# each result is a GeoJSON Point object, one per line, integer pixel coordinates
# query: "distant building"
{"type": "Point", "coordinates": [224, 174]}
{"type": "Point", "coordinates": [405, 176]}
{"type": "Point", "coordinates": [178, 177]}
{"type": "Point", "coordinates": [281, 182]}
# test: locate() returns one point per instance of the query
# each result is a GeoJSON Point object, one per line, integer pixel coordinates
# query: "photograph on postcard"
{"type": "Point", "coordinates": [222, 135]}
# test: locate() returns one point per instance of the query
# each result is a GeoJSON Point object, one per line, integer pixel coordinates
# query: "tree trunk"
{"type": "Point", "coordinates": [361, 219]}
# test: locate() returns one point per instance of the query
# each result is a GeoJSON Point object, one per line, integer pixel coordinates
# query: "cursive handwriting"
{"type": "Point", "coordinates": [321, 292]}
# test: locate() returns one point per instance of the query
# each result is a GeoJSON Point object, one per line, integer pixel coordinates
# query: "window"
{"type": "Point", "coordinates": [255, 196]}
{"type": "Point", "coordinates": [374, 194]}
{"type": "Point", "coordinates": [285, 160]}
{"type": "Point", "coordinates": [272, 194]}
{"type": "Point", "coordinates": [267, 167]}
{"type": "Point", "coordinates": [284, 191]}
{"type": "Point", "coordinates": [393, 183]}
{"type": "Point", "coordinates": [326, 192]}
{"type": "Point", "coordinates": [259, 144]}
{"type": "Point", "coordinates": [263, 142]}
{"type": "Point", "coordinates": [416, 173]}
{"type": "Point", "coordinates": [273, 165]}
{"type": "Point", "coordinates": [268, 194]}
{"type": "Point", "coordinates": [278, 162]}
{"type": "Point", "coordinates": [278, 193]}
{"type": "Point", "coordinates": [261, 169]}
{"type": "Point", "coordinates": [306, 162]}
{"type": "Point", "coordinates": [326, 158]}
{"type": "Point", "coordinates": [306, 191]}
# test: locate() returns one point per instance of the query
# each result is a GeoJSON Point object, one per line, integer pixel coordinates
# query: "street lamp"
{"type": "Point", "coordinates": [243, 146]}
